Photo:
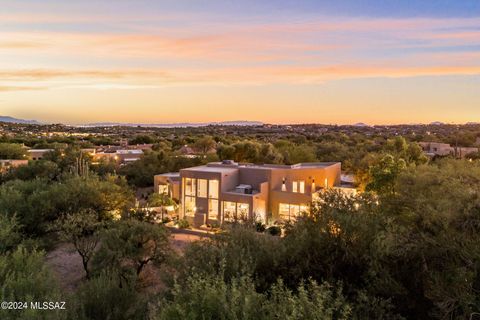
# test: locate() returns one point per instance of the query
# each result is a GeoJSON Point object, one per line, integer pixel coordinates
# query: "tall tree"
{"type": "Point", "coordinates": [129, 246]}
{"type": "Point", "coordinates": [82, 230]}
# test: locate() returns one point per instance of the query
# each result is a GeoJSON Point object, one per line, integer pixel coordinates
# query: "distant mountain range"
{"type": "Point", "coordinates": [361, 124]}
{"type": "Point", "coordinates": [157, 125]}
{"type": "Point", "coordinates": [15, 120]}
{"type": "Point", "coordinates": [174, 125]}
{"type": "Point", "coordinates": [9, 119]}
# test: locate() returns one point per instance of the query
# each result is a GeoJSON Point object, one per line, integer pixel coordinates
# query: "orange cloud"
{"type": "Point", "coordinates": [237, 42]}
{"type": "Point", "coordinates": [20, 44]}
{"type": "Point", "coordinates": [235, 53]}
{"type": "Point", "coordinates": [45, 74]}
{"type": "Point", "coordinates": [145, 79]}
{"type": "Point", "coordinates": [19, 88]}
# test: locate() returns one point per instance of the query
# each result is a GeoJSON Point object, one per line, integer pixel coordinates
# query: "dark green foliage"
{"type": "Point", "coordinates": [142, 139]}
{"type": "Point", "coordinates": [140, 173]}
{"type": "Point", "coordinates": [204, 144]}
{"type": "Point", "coordinates": [106, 297]}
{"type": "Point", "coordinates": [129, 246]}
{"type": "Point", "coordinates": [183, 224]}
{"type": "Point", "coordinates": [384, 174]}
{"type": "Point", "coordinates": [24, 277]}
{"type": "Point", "coordinates": [10, 236]}
{"type": "Point", "coordinates": [296, 153]}
{"type": "Point", "coordinates": [209, 297]}
{"type": "Point", "coordinates": [250, 151]}
{"type": "Point", "coordinates": [12, 151]}
{"type": "Point", "coordinates": [41, 169]}
{"type": "Point", "coordinates": [410, 249]}
{"type": "Point", "coordinates": [241, 251]}
{"type": "Point", "coordinates": [81, 229]}
{"type": "Point", "coordinates": [36, 203]}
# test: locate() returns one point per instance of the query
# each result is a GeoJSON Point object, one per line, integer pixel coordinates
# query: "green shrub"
{"type": "Point", "coordinates": [210, 297]}
{"type": "Point", "coordinates": [274, 230]}
{"type": "Point", "coordinates": [106, 297]}
{"type": "Point", "coordinates": [166, 220]}
{"type": "Point", "coordinates": [183, 224]}
{"type": "Point", "coordinates": [25, 277]}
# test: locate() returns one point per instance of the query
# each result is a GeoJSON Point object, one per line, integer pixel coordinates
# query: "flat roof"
{"type": "Point", "coordinates": [169, 174]}
{"type": "Point", "coordinates": [232, 167]}
{"type": "Point", "coordinates": [272, 166]}
{"type": "Point", "coordinates": [40, 150]}
{"type": "Point", "coordinates": [207, 168]}
{"type": "Point", "coordinates": [128, 151]}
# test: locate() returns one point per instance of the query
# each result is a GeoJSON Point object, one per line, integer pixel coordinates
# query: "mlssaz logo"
{"type": "Point", "coordinates": [47, 305]}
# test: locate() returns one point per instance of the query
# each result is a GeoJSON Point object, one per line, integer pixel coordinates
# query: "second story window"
{"type": "Point", "coordinates": [298, 186]}
{"type": "Point", "coordinates": [190, 186]}
{"type": "Point", "coordinates": [202, 188]}
{"type": "Point", "coordinates": [213, 188]}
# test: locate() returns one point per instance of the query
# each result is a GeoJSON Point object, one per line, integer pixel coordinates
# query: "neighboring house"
{"type": "Point", "coordinates": [187, 152]}
{"type": "Point", "coordinates": [227, 191]}
{"type": "Point", "coordinates": [5, 165]}
{"type": "Point", "coordinates": [144, 147]}
{"type": "Point", "coordinates": [121, 156]}
{"type": "Point", "coordinates": [436, 148]}
{"type": "Point", "coordinates": [169, 184]}
{"type": "Point", "coordinates": [461, 152]}
{"type": "Point", "coordinates": [445, 149]}
{"type": "Point", "coordinates": [90, 151]}
{"type": "Point", "coordinates": [191, 152]}
{"type": "Point", "coordinates": [38, 154]}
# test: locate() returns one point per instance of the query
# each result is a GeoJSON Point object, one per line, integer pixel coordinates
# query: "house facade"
{"type": "Point", "coordinates": [226, 191]}
{"type": "Point", "coordinates": [6, 165]}
{"type": "Point", "coordinates": [445, 149]}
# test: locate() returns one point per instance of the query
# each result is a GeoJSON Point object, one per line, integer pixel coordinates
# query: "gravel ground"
{"type": "Point", "coordinates": [67, 264]}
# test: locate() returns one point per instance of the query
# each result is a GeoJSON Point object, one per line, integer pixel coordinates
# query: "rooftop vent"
{"type": "Point", "coordinates": [244, 189]}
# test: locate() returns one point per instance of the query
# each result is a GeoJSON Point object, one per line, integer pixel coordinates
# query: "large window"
{"type": "Point", "coordinates": [213, 187]}
{"type": "Point", "coordinates": [287, 211]}
{"type": "Point", "coordinates": [242, 211]}
{"type": "Point", "coordinates": [202, 188]}
{"type": "Point", "coordinates": [190, 186]}
{"type": "Point", "coordinates": [284, 211]}
{"type": "Point", "coordinates": [229, 210]}
{"type": "Point", "coordinates": [213, 202]}
{"type": "Point", "coordinates": [213, 209]}
{"type": "Point", "coordinates": [298, 186]}
{"type": "Point", "coordinates": [189, 205]}
{"type": "Point", "coordinates": [235, 211]}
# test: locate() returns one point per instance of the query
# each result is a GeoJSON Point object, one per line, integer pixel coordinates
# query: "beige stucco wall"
{"type": "Point", "coordinates": [266, 183]}
{"type": "Point", "coordinates": [173, 184]}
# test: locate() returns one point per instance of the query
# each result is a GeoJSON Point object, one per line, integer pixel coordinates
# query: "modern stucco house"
{"type": "Point", "coordinates": [445, 149]}
{"type": "Point", "coordinates": [225, 191]}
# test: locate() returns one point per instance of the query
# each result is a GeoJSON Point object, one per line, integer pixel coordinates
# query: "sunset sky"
{"type": "Point", "coordinates": [281, 61]}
